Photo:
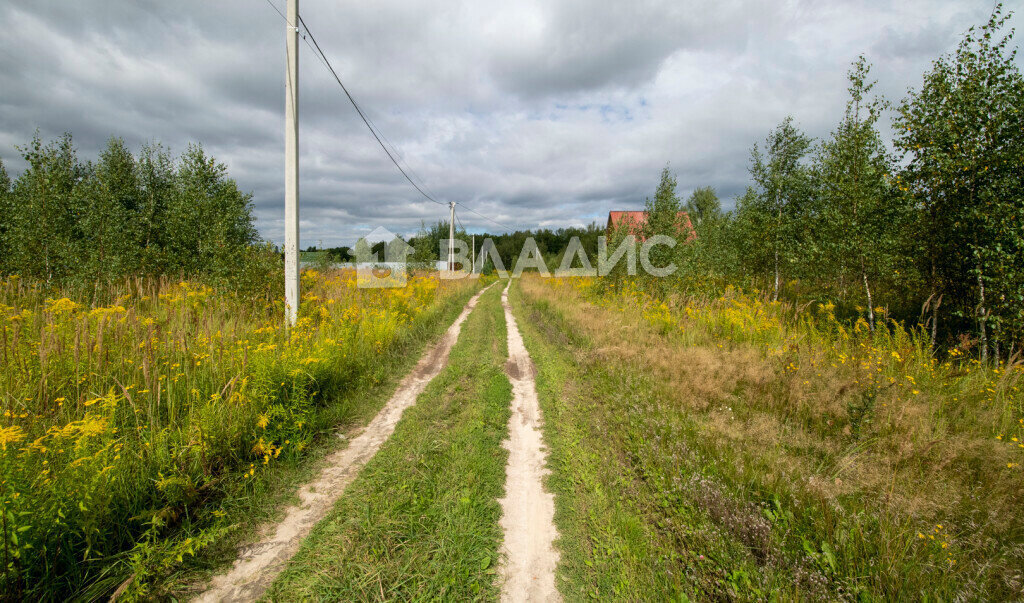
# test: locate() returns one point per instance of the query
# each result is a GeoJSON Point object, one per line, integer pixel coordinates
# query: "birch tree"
{"type": "Point", "coordinates": [156, 188]}
{"type": "Point", "coordinates": [703, 206]}
{"type": "Point", "coordinates": [859, 216]}
{"type": "Point", "coordinates": [109, 199]}
{"type": "Point", "coordinates": [44, 217]}
{"type": "Point", "coordinates": [962, 135]}
{"type": "Point", "coordinates": [781, 183]}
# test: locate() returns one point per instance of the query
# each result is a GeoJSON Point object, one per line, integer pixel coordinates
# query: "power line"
{"type": "Point", "coordinates": [394, 148]}
{"type": "Point", "coordinates": [319, 53]}
{"type": "Point", "coordinates": [398, 152]}
{"type": "Point", "coordinates": [362, 115]}
{"type": "Point", "coordinates": [278, 11]}
{"type": "Point", "coordinates": [470, 209]}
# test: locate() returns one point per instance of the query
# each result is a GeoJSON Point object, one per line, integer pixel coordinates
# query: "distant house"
{"type": "Point", "coordinates": [635, 220]}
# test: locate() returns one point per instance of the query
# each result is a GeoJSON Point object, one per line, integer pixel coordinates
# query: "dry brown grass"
{"type": "Point", "coordinates": [698, 378]}
{"type": "Point", "coordinates": [907, 439]}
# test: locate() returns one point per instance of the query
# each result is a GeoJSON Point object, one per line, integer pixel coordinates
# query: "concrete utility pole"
{"type": "Point", "coordinates": [451, 237]}
{"type": "Point", "coordinates": [291, 163]}
{"type": "Point", "coordinates": [472, 256]}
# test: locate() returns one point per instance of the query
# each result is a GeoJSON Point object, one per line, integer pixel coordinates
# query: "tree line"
{"type": "Point", "coordinates": [64, 219]}
{"type": "Point", "coordinates": [928, 231]}
{"type": "Point", "coordinates": [550, 242]}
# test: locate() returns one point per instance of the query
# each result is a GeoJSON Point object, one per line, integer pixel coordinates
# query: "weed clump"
{"type": "Point", "coordinates": [130, 431]}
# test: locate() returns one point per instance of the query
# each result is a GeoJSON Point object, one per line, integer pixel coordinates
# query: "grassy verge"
{"type": "Point", "coordinates": [691, 456]}
{"type": "Point", "coordinates": [137, 435]}
{"type": "Point", "coordinates": [254, 501]}
{"type": "Point", "coordinates": [421, 520]}
{"type": "Point", "coordinates": [621, 533]}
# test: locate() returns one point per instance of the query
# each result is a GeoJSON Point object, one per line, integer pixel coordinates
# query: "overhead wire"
{"type": "Point", "coordinates": [278, 11]}
{"type": "Point", "coordinates": [363, 115]}
{"type": "Point", "coordinates": [400, 155]}
{"type": "Point", "coordinates": [377, 135]}
{"type": "Point", "coordinates": [394, 148]}
{"type": "Point", "coordinates": [471, 210]}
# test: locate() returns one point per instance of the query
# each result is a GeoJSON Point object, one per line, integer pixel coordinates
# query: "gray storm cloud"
{"type": "Point", "coordinates": [535, 113]}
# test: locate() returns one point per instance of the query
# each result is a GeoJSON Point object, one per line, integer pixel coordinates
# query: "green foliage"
{"type": "Point", "coordinates": [703, 206]}
{"type": "Point", "coordinates": [552, 243]}
{"type": "Point", "coordinates": [129, 432]}
{"type": "Point", "coordinates": [108, 244]}
{"type": "Point", "coordinates": [68, 220]}
{"type": "Point", "coordinates": [860, 218]}
{"type": "Point", "coordinates": [377, 250]}
{"type": "Point", "coordinates": [427, 244]}
{"type": "Point", "coordinates": [155, 177]}
{"type": "Point", "coordinates": [962, 135]}
{"type": "Point", "coordinates": [665, 218]}
{"type": "Point", "coordinates": [5, 180]}
{"type": "Point", "coordinates": [5, 209]}
{"type": "Point", "coordinates": [712, 257]}
{"type": "Point", "coordinates": [46, 203]}
{"type": "Point", "coordinates": [339, 254]}
{"type": "Point", "coordinates": [935, 236]}
{"type": "Point", "coordinates": [210, 218]}
{"type": "Point", "coordinates": [423, 252]}
{"type": "Point", "coordinates": [781, 182]}
{"type": "Point", "coordinates": [663, 210]}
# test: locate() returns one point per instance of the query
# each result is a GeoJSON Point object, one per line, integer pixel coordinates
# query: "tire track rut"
{"type": "Point", "coordinates": [528, 510]}
{"type": "Point", "coordinates": [260, 563]}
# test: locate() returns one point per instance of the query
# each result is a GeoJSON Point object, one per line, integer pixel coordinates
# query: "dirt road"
{"type": "Point", "coordinates": [259, 563]}
{"type": "Point", "coordinates": [528, 510]}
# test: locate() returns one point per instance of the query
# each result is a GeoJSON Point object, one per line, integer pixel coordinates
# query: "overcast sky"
{"type": "Point", "coordinates": [539, 113]}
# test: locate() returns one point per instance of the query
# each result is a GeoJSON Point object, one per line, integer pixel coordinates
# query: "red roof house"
{"type": "Point", "coordinates": [635, 220]}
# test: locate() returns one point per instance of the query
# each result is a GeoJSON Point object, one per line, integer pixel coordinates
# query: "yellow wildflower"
{"type": "Point", "coordinates": [11, 435]}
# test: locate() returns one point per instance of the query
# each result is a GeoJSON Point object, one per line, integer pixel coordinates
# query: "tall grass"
{"type": "Point", "coordinates": [813, 341]}
{"type": "Point", "coordinates": [888, 471]}
{"type": "Point", "coordinates": [421, 522]}
{"type": "Point", "coordinates": [124, 421]}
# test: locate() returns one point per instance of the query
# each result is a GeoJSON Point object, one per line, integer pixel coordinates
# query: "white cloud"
{"type": "Point", "coordinates": [536, 113]}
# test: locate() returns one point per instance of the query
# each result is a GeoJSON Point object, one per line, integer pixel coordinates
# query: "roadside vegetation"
{"type": "Point", "coordinates": [68, 221]}
{"type": "Point", "coordinates": [821, 402]}
{"type": "Point", "coordinates": [421, 520]}
{"type": "Point", "coordinates": [131, 431]}
{"type": "Point", "coordinates": [739, 447]}
{"type": "Point", "coordinates": [926, 233]}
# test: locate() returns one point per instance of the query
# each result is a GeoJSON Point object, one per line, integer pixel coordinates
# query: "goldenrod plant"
{"type": "Point", "coordinates": [125, 424]}
{"type": "Point", "coordinates": [765, 446]}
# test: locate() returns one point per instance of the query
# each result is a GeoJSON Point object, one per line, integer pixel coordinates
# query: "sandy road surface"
{"type": "Point", "coordinates": [258, 564]}
{"type": "Point", "coordinates": [528, 511]}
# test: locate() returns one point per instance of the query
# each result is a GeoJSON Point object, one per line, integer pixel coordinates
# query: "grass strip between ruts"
{"type": "Point", "coordinates": [421, 520]}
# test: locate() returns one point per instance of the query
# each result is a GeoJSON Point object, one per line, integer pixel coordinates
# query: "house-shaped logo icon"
{"type": "Point", "coordinates": [381, 259]}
